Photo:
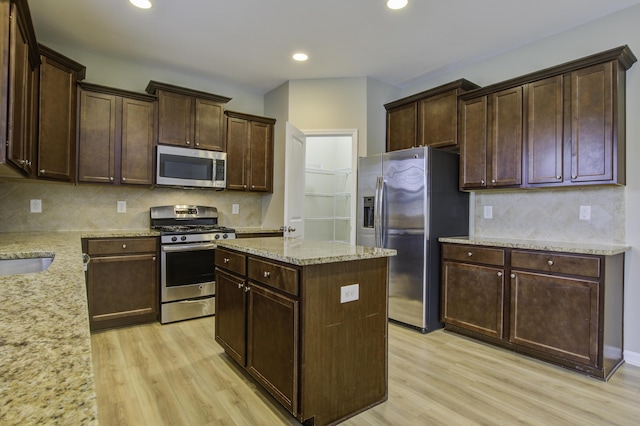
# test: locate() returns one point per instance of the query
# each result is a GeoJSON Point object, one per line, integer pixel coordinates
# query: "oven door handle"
{"type": "Point", "coordinates": [188, 247]}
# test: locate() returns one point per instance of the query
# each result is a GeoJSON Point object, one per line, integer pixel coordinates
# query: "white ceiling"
{"type": "Point", "coordinates": [250, 42]}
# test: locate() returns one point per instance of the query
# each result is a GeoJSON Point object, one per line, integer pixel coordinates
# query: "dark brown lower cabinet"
{"type": "Point", "coordinates": [559, 307]}
{"type": "Point", "coordinates": [122, 281]}
{"type": "Point", "coordinates": [323, 360]}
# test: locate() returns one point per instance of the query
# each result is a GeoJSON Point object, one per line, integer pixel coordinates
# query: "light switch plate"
{"type": "Point", "coordinates": [585, 212]}
{"type": "Point", "coordinates": [121, 207]}
{"type": "Point", "coordinates": [235, 208]}
{"type": "Point", "coordinates": [488, 212]}
{"type": "Point", "coordinates": [349, 293]}
{"type": "Point", "coordinates": [35, 206]}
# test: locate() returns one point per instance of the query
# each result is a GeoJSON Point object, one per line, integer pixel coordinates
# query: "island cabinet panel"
{"type": "Point", "coordinates": [122, 281]}
{"type": "Point", "coordinates": [563, 308]}
{"type": "Point", "coordinates": [322, 358]}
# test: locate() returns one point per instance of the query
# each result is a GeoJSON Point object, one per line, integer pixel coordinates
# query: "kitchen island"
{"type": "Point", "coordinates": [46, 369]}
{"type": "Point", "coordinates": [308, 321]}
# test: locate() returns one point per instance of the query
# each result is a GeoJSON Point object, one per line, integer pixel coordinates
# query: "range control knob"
{"type": "Point", "coordinates": [174, 239]}
{"type": "Point", "coordinates": [217, 237]}
{"type": "Point", "coordinates": [225, 236]}
{"type": "Point", "coordinates": [183, 238]}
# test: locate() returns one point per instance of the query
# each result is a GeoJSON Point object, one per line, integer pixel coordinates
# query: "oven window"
{"type": "Point", "coordinates": [182, 167]}
{"type": "Point", "coordinates": [189, 267]}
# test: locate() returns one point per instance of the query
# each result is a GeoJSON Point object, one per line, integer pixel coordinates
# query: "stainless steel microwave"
{"type": "Point", "coordinates": [186, 167]}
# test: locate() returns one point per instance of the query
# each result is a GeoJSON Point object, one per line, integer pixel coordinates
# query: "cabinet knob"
{"type": "Point", "coordinates": [550, 262]}
{"type": "Point", "coordinates": [482, 182]}
{"type": "Point", "coordinates": [253, 186]}
{"type": "Point", "coordinates": [111, 178]}
{"type": "Point", "coordinates": [240, 285]}
{"type": "Point", "coordinates": [470, 254]}
{"type": "Point", "coordinates": [225, 260]}
{"type": "Point", "coordinates": [153, 258]}
{"type": "Point", "coordinates": [267, 274]}
{"type": "Point", "coordinates": [574, 176]}
{"type": "Point", "coordinates": [558, 177]}
{"type": "Point", "coordinates": [188, 143]}
{"type": "Point", "coordinates": [124, 179]}
{"type": "Point", "coordinates": [512, 275]}
{"type": "Point", "coordinates": [493, 181]}
{"type": "Point", "coordinates": [43, 171]}
{"type": "Point", "coordinates": [124, 246]}
{"type": "Point", "coordinates": [244, 186]}
{"type": "Point", "coordinates": [197, 143]}
{"type": "Point", "coordinates": [499, 274]}
{"type": "Point", "coordinates": [247, 288]}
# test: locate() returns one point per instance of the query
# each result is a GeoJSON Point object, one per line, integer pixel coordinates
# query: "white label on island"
{"type": "Point", "coordinates": [349, 293]}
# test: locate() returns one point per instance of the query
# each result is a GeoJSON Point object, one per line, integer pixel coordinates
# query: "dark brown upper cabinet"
{"type": "Point", "coordinates": [116, 136]}
{"type": "Point", "coordinates": [58, 115]}
{"type": "Point", "coordinates": [249, 152]}
{"type": "Point", "coordinates": [19, 61]}
{"type": "Point", "coordinates": [189, 118]}
{"type": "Point", "coordinates": [560, 126]}
{"type": "Point", "coordinates": [427, 118]}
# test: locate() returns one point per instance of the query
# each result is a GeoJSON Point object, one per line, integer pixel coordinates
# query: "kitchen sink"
{"type": "Point", "coordinates": [24, 266]}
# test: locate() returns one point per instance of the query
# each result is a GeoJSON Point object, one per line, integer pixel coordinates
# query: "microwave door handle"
{"type": "Point", "coordinates": [188, 247]}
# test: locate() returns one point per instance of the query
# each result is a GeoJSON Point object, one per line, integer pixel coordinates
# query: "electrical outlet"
{"type": "Point", "coordinates": [585, 212]}
{"type": "Point", "coordinates": [488, 212]}
{"type": "Point", "coordinates": [235, 208]}
{"type": "Point", "coordinates": [349, 293]}
{"type": "Point", "coordinates": [35, 206]}
{"type": "Point", "coordinates": [121, 207]}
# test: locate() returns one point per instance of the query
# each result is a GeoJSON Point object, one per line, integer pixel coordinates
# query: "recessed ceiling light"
{"type": "Point", "coordinates": [142, 4]}
{"type": "Point", "coordinates": [301, 57]}
{"type": "Point", "coordinates": [396, 4]}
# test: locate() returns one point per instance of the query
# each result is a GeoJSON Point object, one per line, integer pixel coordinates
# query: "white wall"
{"type": "Point", "coordinates": [609, 32]}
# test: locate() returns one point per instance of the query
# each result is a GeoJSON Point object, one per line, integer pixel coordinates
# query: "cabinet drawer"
{"type": "Point", "coordinates": [475, 254]}
{"type": "Point", "coordinates": [271, 274]}
{"type": "Point", "coordinates": [587, 266]}
{"type": "Point", "coordinates": [232, 261]}
{"type": "Point", "coordinates": [121, 246]}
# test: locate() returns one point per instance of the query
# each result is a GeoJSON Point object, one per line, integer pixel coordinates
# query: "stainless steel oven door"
{"type": "Point", "coordinates": [187, 271]}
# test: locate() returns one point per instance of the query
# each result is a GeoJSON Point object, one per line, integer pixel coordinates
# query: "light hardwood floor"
{"type": "Point", "coordinates": [176, 374]}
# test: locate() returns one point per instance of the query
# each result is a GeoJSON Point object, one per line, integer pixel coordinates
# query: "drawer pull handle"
{"type": "Point", "coordinates": [512, 275]}
{"type": "Point", "coordinates": [550, 262]}
{"type": "Point", "coordinates": [124, 246]}
{"type": "Point", "coordinates": [470, 254]}
{"type": "Point", "coordinates": [499, 274]}
{"type": "Point", "coordinates": [226, 260]}
{"type": "Point", "coordinates": [267, 274]}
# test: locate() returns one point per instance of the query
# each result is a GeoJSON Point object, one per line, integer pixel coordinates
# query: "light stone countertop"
{"type": "Point", "coordinates": [46, 371]}
{"type": "Point", "coordinates": [298, 251]}
{"type": "Point", "coordinates": [557, 246]}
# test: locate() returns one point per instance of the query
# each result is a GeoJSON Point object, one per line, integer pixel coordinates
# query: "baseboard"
{"type": "Point", "coordinates": [632, 358]}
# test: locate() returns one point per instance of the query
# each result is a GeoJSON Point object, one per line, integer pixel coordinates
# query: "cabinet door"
{"type": "Point", "coordinates": [97, 139]}
{"type": "Point", "coordinates": [209, 125]}
{"type": "Point", "coordinates": [237, 161]}
{"type": "Point", "coordinates": [122, 290]}
{"type": "Point", "coordinates": [555, 315]}
{"type": "Point", "coordinates": [592, 136]}
{"type": "Point", "coordinates": [505, 141]}
{"type": "Point", "coordinates": [272, 357]}
{"type": "Point", "coordinates": [261, 156]}
{"type": "Point", "coordinates": [175, 125]}
{"type": "Point", "coordinates": [137, 142]}
{"type": "Point", "coordinates": [544, 130]}
{"type": "Point", "coordinates": [438, 120]}
{"type": "Point", "coordinates": [231, 315]}
{"type": "Point", "coordinates": [472, 297]}
{"type": "Point", "coordinates": [473, 143]}
{"type": "Point", "coordinates": [19, 93]}
{"type": "Point", "coordinates": [57, 135]}
{"type": "Point", "coordinates": [402, 127]}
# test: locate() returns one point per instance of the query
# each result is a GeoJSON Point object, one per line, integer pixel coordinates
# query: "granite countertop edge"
{"type": "Point", "coordinates": [554, 246]}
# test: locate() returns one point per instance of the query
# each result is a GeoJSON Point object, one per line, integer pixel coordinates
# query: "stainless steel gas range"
{"type": "Point", "coordinates": [188, 235]}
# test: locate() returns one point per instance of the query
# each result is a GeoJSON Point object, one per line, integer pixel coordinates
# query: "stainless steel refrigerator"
{"type": "Point", "coordinates": [406, 200]}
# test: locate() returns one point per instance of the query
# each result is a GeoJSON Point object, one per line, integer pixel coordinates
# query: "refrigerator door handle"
{"type": "Point", "coordinates": [378, 212]}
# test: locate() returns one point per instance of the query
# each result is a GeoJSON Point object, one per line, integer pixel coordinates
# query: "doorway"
{"type": "Point", "coordinates": [330, 185]}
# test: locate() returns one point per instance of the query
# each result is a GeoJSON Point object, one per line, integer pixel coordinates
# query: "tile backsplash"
{"type": "Point", "coordinates": [67, 207]}
{"type": "Point", "coordinates": [553, 215]}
